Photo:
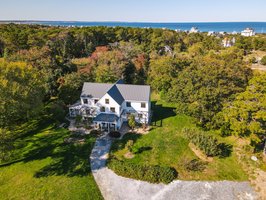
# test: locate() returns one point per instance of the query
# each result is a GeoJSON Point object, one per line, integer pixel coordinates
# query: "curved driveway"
{"type": "Point", "coordinates": [114, 187]}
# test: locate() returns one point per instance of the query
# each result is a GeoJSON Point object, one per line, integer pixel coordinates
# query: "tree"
{"type": "Point", "coordinates": [202, 88]}
{"type": "Point", "coordinates": [163, 71]}
{"type": "Point", "coordinates": [263, 60]}
{"type": "Point", "coordinates": [22, 92]}
{"type": "Point", "coordinates": [247, 113]}
{"type": "Point", "coordinates": [70, 86]}
{"type": "Point", "coordinates": [132, 122]}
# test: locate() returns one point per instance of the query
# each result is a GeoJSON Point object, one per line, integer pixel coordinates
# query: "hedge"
{"type": "Point", "coordinates": [115, 134]}
{"type": "Point", "coordinates": [149, 173]}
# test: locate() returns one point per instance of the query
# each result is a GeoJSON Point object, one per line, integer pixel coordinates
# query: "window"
{"type": "Point", "coordinates": [106, 101]}
{"type": "Point", "coordinates": [128, 104]}
{"type": "Point", "coordinates": [85, 101]}
{"type": "Point", "coordinates": [102, 109]}
{"type": "Point", "coordinates": [143, 105]}
{"type": "Point", "coordinates": [140, 116]}
{"type": "Point", "coordinates": [112, 109]}
{"type": "Point", "coordinates": [95, 101]}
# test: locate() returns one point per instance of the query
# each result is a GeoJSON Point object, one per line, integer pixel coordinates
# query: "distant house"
{"type": "Point", "coordinates": [194, 30]}
{"type": "Point", "coordinates": [211, 33]}
{"type": "Point", "coordinates": [248, 32]}
{"type": "Point", "coordinates": [109, 105]}
{"type": "Point", "coordinates": [227, 42]}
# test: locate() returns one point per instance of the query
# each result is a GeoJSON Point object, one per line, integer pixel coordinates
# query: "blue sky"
{"type": "Point", "coordinates": [134, 10]}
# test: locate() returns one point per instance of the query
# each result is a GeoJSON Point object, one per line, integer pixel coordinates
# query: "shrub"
{"type": "Point", "coordinates": [263, 60]}
{"type": "Point", "coordinates": [132, 121]}
{"type": "Point", "coordinates": [225, 130]}
{"type": "Point", "coordinates": [150, 173]}
{"type": "Point", "coordinates": [207, 143]}
{"type": "Point", "coordinates": [195, 165]}
{"type": "Point", "coordinates": [115, 134]}
{"type": "Point", "coordinates": [95, 132]}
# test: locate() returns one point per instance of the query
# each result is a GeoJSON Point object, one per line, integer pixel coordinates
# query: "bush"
{"type": "Point", "coordinates": [225, 130]}
{"type": "Point", "coordinates": [115, 134]}
{"type": "Point", "coordinates": [207, 143]}
{"type": "Point", "coordinates": [132, 122]}
{"type": "Point", "coordinates": [95, 132]}
{"type": "Point", "coordinates": [263, 60]}
{"type": "Point", "coordinates": [152, 174]}
{"type": "Point", "coordinates": [195, 165]}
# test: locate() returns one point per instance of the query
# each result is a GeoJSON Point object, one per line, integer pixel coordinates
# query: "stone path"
{"type": "Point", "coordinates": [114, 187]}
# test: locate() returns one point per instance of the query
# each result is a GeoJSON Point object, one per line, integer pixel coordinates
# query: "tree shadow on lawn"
{"type": "Point", "coordinates": [121, 144]}
{"type": "Point", "coordinates": [66, 159]}
{"type": "Point", "coordinates": [160, 113]}
{"type": "Point", "coordinates": [142, 149]}
{"type": "Point", "coordinates": [70, 160]}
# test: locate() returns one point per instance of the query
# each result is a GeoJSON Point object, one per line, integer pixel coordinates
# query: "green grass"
{"type": "Point", "coordinates": [44, 167]}
{"type": "Point", "coordinates": [165, 145]}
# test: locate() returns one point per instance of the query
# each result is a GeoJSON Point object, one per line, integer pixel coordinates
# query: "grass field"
{"type": "Point", "coordinates": [47, 168]}
{"type": "Point", "coordinates": [165, 145]}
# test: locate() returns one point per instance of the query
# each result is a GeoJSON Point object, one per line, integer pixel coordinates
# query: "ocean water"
{"type": "Point", "coordinates": [260, 27]}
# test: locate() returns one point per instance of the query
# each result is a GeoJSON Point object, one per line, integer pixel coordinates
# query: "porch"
{"type": "Point", "coordinates": [107, 122]}
{"type": "Point", "coordinates": [82, 110]}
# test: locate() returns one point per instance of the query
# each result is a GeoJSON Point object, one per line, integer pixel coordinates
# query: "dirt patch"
{"type": "Point", "coordinates": [257, 177]}
{"type": "Point", "coordinates": [129, 155]}
{"type": "Point", "coordinates": [260, 182]}
{"type": "Point", "coordinates": [199, 153]}
{"type": "Point", "coordinates": [74, 140]}
{"type": "Point", "coordinates": [142, 131]}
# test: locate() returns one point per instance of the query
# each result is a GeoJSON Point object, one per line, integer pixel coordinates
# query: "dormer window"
{"type": "Point", "coordinates": [128, 104]}
{"type": "Point", "coordinates": [85, 101]}
{"type": "Point", "coordinates": [106, 101]}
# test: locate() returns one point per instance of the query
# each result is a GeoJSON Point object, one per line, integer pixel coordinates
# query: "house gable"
{"type": "Point", "coordinates": [112, 104]}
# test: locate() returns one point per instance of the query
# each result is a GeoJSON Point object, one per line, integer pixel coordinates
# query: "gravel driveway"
{"type": "Point", "coordinates": [114, 187]}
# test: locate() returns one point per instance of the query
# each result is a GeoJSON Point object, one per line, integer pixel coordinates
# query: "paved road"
{"type": "Point", "coordinates": [114, 187]}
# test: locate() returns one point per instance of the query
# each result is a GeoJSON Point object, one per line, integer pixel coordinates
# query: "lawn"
{"type": "Point", "coordinates": [165, 145]}
{"type": "Point", "coordinates": [47, 168]}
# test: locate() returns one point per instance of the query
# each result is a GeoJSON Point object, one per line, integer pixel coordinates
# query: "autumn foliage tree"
{"type": "Point", "coordinates": [22, 92]}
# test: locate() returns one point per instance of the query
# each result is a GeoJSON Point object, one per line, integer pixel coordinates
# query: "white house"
{"type": "Point", "coordinates": [194, 30]}
{"type": "Point", "coordinates": [248, 32]}
{"type": "Point", "coordinates": [227, 42]}
{"type": "Point", "coordinates": [211, 33]}
{"type": "Point", "coordinates": [109, 105]}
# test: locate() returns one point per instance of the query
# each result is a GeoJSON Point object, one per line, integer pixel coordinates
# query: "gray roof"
{"type": "Point", "coordinates": [135, 92]}
{"type": "Point", "coordinates": [95, 90]}
{"type": "Point", "coordinates": [102, 117]}
{"type": "Point", "coordinates": [118, 91]}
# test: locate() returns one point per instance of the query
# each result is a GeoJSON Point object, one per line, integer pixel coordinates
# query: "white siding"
{"type": "Point", "coordinates": [112, 103]}
{"type": "Point", "coordinates": [136, 106]}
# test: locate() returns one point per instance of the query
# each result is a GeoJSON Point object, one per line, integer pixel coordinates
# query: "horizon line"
{"type": "Point", "coordinates": [170, 22]}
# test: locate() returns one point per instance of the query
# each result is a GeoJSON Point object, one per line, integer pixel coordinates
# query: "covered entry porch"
{"type": "Point", "coordinates": [107, 122]}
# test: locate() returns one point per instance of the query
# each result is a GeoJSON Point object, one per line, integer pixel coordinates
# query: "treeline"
{"type": "Point", "coordinates": [40, 64]}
